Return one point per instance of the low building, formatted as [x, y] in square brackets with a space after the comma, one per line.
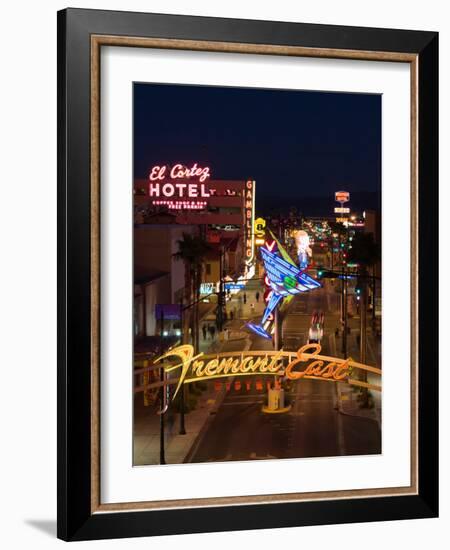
[158, 275]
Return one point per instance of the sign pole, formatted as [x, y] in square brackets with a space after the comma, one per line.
[182, 393]
[344, 310]
[162, 457]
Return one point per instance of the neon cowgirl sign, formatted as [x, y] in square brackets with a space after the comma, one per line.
[186, 194]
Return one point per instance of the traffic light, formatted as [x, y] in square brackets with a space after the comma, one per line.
[319, 272]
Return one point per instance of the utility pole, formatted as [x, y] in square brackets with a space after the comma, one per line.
[184, 339]
[220, 304]
[162, 457]
[374, 292]
[277, 329]
[344, 312]
[363, 320]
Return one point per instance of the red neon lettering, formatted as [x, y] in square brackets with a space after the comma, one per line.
[180, 187]
[153, 189]
[204, 191]
[180, 171]
[177, 171]
[168, 190]
[192, 190]
[204, 174]
[157, 173]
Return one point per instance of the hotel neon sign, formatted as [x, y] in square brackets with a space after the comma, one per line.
[165, 189]
[179, 171]
[306, 363]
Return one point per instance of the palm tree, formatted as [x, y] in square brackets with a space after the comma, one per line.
[192, 250]
[365, 252]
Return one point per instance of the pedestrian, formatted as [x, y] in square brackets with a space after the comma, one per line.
[205, 331]
[252, 307]
[231, 315]
[171, 421]
[257, 296]
[245, 298]
[212, 331]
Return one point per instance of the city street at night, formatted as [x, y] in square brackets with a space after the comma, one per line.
[257, 304]
[239, 430]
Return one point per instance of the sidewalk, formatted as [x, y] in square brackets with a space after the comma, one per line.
[347, 396]
[251, 309]
[177, 447]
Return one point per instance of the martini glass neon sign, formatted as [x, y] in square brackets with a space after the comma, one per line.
[284, 279]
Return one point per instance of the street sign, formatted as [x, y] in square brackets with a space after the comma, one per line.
[234, 286]
[168, 311]
[341, 210]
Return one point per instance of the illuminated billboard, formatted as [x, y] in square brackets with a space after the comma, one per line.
[342, 196]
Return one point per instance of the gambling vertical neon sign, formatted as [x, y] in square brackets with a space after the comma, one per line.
[249, 214]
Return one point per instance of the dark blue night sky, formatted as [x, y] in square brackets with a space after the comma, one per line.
[295, 144]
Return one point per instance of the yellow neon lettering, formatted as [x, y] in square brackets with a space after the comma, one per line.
[307, 362]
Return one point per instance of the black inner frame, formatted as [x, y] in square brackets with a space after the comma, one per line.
[75, 521]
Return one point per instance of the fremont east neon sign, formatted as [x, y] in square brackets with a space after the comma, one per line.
[306, 363]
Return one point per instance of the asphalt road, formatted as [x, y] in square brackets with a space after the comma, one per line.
[313, 428]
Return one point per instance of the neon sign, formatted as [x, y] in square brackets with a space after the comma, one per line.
[341, 210]
[249, 215]
[303, 249]
[165, 189]
[182, 205]
[190, 190]
[283, 278]
[260, 224]
[179, 171]
[306, 363]
[342, 196]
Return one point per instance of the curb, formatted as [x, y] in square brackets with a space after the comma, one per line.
[340, 409]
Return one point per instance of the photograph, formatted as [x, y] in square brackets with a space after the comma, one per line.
[247, 274]
[257, 274]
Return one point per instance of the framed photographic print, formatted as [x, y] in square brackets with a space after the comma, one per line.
[247, 274]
